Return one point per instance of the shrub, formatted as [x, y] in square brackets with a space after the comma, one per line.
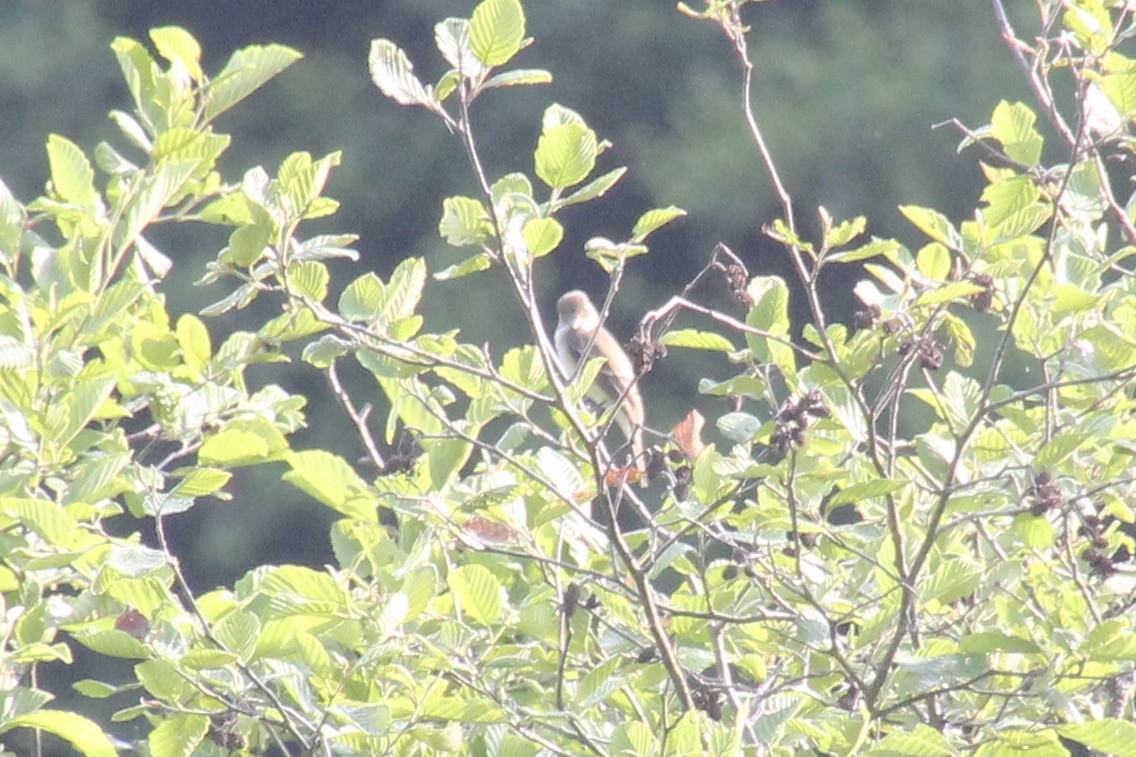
[905, 544]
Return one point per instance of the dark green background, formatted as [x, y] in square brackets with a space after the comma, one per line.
[847, 93]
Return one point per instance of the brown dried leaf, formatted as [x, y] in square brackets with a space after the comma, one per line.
[688, 435]
[491, 531]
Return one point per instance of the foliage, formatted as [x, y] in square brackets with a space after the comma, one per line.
[840, 576]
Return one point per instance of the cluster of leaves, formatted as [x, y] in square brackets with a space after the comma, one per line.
[843, 574]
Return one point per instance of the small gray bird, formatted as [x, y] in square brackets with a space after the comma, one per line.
[579, 326]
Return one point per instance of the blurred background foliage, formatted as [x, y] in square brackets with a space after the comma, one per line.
[847, 93]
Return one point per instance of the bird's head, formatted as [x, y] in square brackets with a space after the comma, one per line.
[576, 310]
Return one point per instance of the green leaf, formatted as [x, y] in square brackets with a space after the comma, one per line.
[739, 427]
[193, 338]
[1107, 735]
[478, 591]
[49, 520]
[987, 642]
[452, 38]
[1009, 196]
[633, 739]
[163, 681]
[72, 177]
[363, 298]
[232, 447]
[309, 279]
[1035, 531]
[329, 479]
[239, 632]
[404, 290]
[961, 396]
[866, 490]
[934, 262]
[600, 682]
[11, 223]
[597, 187]
[653, 219]
[517, 78]
[475, 264]
[922, 741]
[565, 154]
[393, 73]
[1013, 126]
[933, 224]
[77, 730]
[697, 340]
[180, 48]
[1057, 449]
[246, 245]
[542, 235]
[200, 482]
[178, 735]
[465, 222]
[610, 255]
[246, 71]
[961, 338]
[1068, 298]
[135, 561]
[952, 292]
[496, 31]
[845, 232]
[96, 689]
[139, 71]
[770, 313]
[873, 249]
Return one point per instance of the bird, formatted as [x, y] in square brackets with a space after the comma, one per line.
[578, 327]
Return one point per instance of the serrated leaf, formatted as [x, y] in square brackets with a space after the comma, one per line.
[961, 338]
[329, 479]
[465, 222]
[697, 340]
[597, 187]
[363, 298]
[479, 262]
[239, 632]
[542, 235]
[934, 224]
[246, 245]
[565, 155]
[995, 641]
[179, 47]
[922, 741]
[517, 78]
[478, 591]
[654, 219]
[231, 447]
[1107, 735]
[201, 482]
[162, 680]
[309, 279]
[81, 733]
[496, 31]
[866, 490]
[873, 249]
[934, 261]
[452, 38]
[72, 177]
[952, 292]
[1013, 126]
[178, 735]
[393, 73]
[1035, 531]
[845, 232]
[246, 71]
